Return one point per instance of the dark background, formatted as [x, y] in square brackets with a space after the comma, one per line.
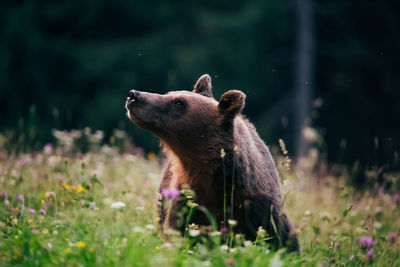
[69, 64]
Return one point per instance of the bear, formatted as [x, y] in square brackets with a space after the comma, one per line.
[214, 150]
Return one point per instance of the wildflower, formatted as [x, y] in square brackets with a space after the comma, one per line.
[3, 195]
[247, 243]
[21, 162]
[222, 153]
[35, 232]
[19, 197]
[261, 232]
[42, 211]
[117, 205]
[235, 149]
[151, 156]
[351, 258]
[224, 230]
[224, 247]
[80, 244]
[49, 245]
[395, 198]
[366, 241]
[318, 240]
[82, 204]
[32, 211]
[80, 189]
[48, 148]
[393, 236]
[91, 250]
[106, 235]
[370, 254]
[19, 212]
[332, 259]
[337, 245]
[30, 221]
[172, 193]
[158, 219]
[156, 247]
[42, 201]
[150, 226]
[232, 222]
[45, 231]
[50, 194]
[267, 251]
[194, 232]
[6, 202]
[92, 205]
[66, 187]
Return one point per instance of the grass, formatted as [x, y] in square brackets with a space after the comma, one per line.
[86, 224]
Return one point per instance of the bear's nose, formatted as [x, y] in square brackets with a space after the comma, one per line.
[133, 95]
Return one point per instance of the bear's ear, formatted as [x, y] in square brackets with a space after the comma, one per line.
[231, 103]
[203, 86]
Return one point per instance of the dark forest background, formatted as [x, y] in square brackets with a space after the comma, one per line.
[331, 65]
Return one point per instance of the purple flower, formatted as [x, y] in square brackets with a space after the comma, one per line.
[337, 245]
[50, 194]
[82, 204]
[366, 241]
[32, 211]
[35, 231]
[92, 205]
[393, 236]
[48, 148]
[21, 162]
[395, 198]
[19, 197]
[3, 195]
[170, 193]
[224, 230]
[351, 258]
[138, 151]
[370, 254]
[19, 212]
[106, 235]
[318, 240]
[42, 211]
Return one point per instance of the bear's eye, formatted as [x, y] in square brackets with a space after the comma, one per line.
[179, 104]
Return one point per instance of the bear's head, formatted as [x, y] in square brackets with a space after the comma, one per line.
[190, 123]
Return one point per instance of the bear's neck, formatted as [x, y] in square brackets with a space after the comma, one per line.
[191, 174]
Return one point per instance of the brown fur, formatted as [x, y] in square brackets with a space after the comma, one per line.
[193, 128]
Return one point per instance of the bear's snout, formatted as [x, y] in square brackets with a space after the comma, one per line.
[133, 95]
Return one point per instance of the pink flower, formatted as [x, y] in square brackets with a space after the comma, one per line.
[224, 230]
[366, 241]
[92, 205]
[170, 193]
[82, 204]
[19, 197]
[32, 211]
[3, 195]
[393, 236]
[42, 211]
[106, 235]
[35, 231]
[21, 162]
[395, 198]
[6, 202]
[370, 254]
[318, 240]
[351, 258]
[48, 148]
[337, 245]
[50, 194]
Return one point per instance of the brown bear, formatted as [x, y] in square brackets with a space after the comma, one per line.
[209, 144]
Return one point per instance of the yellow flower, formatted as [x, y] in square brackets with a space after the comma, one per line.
[68, 250]
[151, 156]
[47, 194]
[157, 248]
[222, 153]
[80, 189]
[42, 201]
[157, 219]
[67, 187]
[30, 221]
[148, 204]
[81, 244]
[91, 250]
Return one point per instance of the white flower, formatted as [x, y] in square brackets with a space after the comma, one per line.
[150, 226]
[137, 229]
[247, 243]
[267, 251]
[194, 232]
[117, 205]
[232, 222]
[307, 213]
[224, 247]
[49, 245]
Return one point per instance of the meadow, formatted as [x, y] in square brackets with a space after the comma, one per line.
[60, 206]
